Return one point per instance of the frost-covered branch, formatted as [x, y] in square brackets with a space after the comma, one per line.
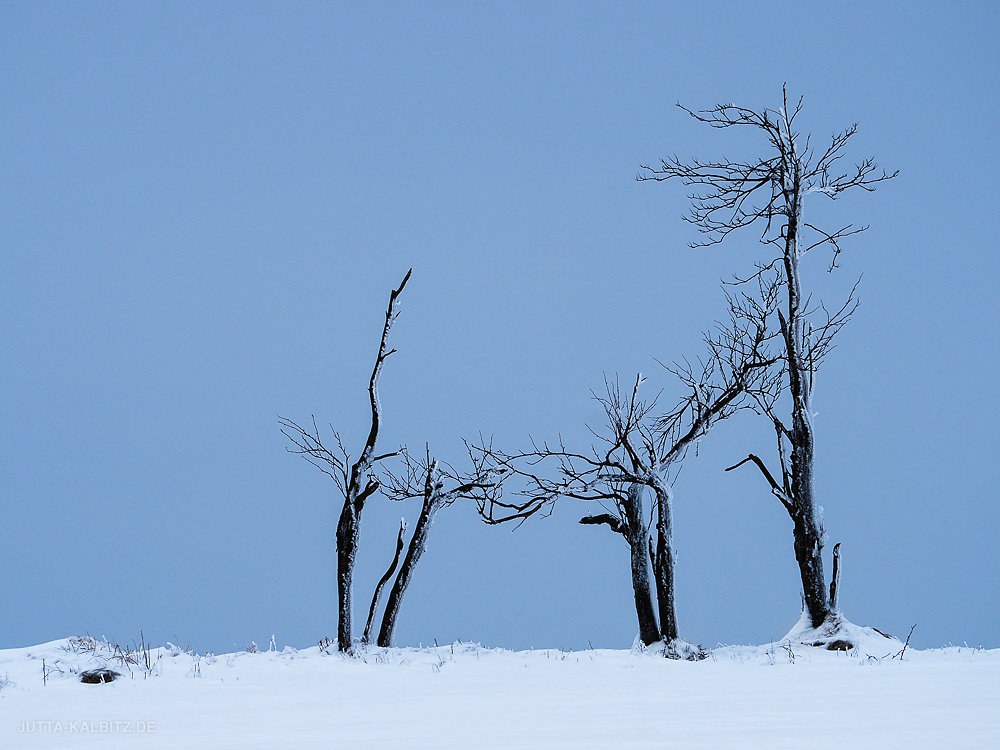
[308, 444]
[739, 372]
[733, 194]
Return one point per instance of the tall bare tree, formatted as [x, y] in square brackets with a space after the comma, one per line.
[769, 193]
[639, 452]
[356, 480]
[438, 485]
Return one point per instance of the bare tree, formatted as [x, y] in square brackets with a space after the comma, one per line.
[437, 484]
[638, 452]
[769, 193]
[356, 481]
[604, 475]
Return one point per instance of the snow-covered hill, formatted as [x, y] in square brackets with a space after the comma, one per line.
[782, 695]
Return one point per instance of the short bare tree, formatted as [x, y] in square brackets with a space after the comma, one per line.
[769, 193]
[604, 475]
[639, 452]
[356, 480]
[437, 484]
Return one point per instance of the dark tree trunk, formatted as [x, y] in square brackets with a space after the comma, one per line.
[377, 594]
[418, 543]
[635, 535]
[663, 567]
[835, 580]
[348, 531]
[808, 538]
[806, 523]
[808, 554]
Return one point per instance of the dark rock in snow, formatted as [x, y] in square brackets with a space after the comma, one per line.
[838, 645]
[98, 676]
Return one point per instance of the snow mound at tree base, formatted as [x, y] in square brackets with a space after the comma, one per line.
[678, 648]
[837, 633]
[681, 649]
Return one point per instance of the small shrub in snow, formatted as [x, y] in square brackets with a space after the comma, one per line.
[81, 644]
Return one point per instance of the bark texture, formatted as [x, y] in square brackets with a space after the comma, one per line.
[663, 564]
[806, 525]
[348, 533]
[635, 535]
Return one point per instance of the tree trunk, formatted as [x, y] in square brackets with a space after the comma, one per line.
[835, 582]
[377, 594]
[418, 543]
[808, 530]
[805, 516]
[663, 568]
[348, 531]
[636, 537]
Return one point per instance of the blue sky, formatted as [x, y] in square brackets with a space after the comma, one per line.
[204, 207]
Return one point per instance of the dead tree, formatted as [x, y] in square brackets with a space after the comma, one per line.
[603, 475]
[639, 452]
[769, 193]
[438, 485]
[356, 481]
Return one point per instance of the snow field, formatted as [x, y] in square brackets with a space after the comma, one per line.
[467, 696]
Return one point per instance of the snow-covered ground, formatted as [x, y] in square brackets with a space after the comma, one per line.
[783, 695]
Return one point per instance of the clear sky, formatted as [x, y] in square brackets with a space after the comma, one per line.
[203, 207]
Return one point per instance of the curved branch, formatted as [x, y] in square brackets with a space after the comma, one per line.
[366, 638]
[365, 460]
[776, 489]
